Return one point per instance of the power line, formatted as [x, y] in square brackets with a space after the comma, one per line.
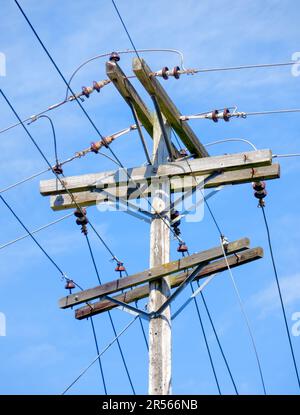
[110, 317]
[126, 30]
[53, 133]
[187, 71]
[192, 71]
[227, 140]
[245, 316]
[35, 240]
[89, 118]
[56, 67]
[120, 52]
[280, 294]
[12, 186]
[218, 341]
[286, 155]
[226, 115]
[35, 231]
[56, 175]
[59, 269]
[216, 335]
[206, 342]
[222, 239]
[77, 155]
[100, 354]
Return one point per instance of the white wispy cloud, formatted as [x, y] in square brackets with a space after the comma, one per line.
[267, 300]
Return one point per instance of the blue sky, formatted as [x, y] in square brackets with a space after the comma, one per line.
[45, 347]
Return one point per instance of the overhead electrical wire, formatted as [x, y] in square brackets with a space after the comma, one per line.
[245, 316]
[56, 175]
[212, 69]
[120, 52]
[99, 359]
[286, 155]
[206, 342]
[227, 140]
[20, 238]
[280, 294]
[90, 120]
[235, 287]
[78, 155]
[94, 333]
[218, 341]
[101, 239]
[216, 336]
[110, 317]
[100, 354]
[53, 133]
[227, 115]
[44, 157]
[64, 276]
[200, 320]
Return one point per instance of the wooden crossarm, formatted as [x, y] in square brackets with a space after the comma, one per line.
[139, 293]
[168, 108]
[129, 93]
[134, 175]
[230, 177]
[152, 274]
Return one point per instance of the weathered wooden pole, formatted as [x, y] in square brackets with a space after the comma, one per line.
[160, 344]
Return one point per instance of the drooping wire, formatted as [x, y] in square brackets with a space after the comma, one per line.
[120, 52]
[110, 317]
[77, 155]
[53, 133]
[227, 140]
[280, 294]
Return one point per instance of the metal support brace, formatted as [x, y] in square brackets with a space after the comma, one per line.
[199, 289]
[138, 124]
[136, 212]
[181, 287]
[126, 306]
[162, 126]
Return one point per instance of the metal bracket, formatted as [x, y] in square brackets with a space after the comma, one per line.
[199, 289]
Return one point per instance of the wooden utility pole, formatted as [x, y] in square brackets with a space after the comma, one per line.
[160, 336]
[157, 181]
